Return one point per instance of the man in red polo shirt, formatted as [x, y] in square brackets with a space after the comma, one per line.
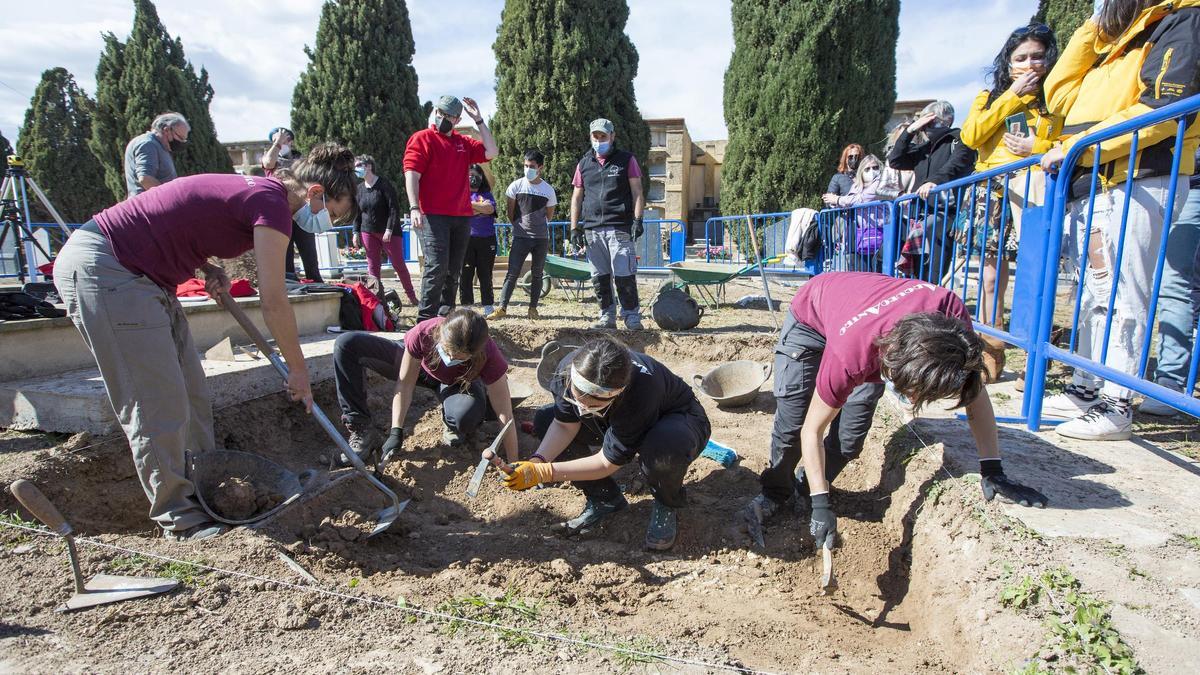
[436, 164]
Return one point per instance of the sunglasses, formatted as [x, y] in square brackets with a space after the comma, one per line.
[1035, 29]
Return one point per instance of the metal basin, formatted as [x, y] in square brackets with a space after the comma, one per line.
[733, 384]
[210, 469]
[553, 352]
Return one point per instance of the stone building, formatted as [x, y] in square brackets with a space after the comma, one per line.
[246, 155]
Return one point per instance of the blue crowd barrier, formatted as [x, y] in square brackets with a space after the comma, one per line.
[728, 240]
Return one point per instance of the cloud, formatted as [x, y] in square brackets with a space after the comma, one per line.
[254, 51]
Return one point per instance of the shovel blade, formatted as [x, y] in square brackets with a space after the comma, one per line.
[828, 580]
[106, 588]
[387, 517]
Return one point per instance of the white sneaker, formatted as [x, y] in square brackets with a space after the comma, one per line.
[1099, 423]
[1066, 405]
[1157, 408]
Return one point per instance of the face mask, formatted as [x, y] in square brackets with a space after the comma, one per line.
[285, 150]
[361, 172]
[444, 125]
[852, 163]
[601, 147]
[177, 145]
[475, 183]
[585, 411]
[315, 223]
[446, 359]
[530, 173]
[870, 175]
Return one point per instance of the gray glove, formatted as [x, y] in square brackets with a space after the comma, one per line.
[823, 525]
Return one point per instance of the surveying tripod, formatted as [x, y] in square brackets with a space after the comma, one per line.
[15, 217]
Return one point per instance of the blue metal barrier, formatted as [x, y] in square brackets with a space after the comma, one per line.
[1083, 212]
[859, 238]
[728, 240]
[662, 241]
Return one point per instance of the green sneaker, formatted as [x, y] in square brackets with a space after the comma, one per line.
[664, 525]
[593, 512]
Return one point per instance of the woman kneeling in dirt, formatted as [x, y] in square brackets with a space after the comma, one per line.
[452, 355]
[118, 274]
[844, 332]
[627, 404]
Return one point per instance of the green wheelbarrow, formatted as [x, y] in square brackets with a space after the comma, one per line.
[703, 275]
[567, 273]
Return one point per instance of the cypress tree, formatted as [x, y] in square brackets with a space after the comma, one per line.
[1063, 16]
[53, 143]
[806, 78]
[360, 87]
[6, 148]
[141, 78]
[559, 65]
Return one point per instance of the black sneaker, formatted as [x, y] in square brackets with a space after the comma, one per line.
[664, 525]
[364, 441]
[593, 512]
[196, 532]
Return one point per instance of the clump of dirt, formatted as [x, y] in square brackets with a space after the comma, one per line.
[242, 267]
[240, 499]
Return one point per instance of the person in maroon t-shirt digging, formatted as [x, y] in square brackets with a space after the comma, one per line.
[452, 355]
[845, 332]
[118, 274]
[436, 164]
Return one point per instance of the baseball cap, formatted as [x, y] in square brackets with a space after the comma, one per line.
[450, 105]
[602, 125]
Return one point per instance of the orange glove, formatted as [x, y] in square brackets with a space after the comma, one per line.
[528, 474]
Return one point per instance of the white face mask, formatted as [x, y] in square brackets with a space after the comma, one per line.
[531, 173]
[315, 223]
[870, 175]
[285, 149]
[448, 360]
[585, 411]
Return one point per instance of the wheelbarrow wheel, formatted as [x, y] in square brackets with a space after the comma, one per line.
[527, 282]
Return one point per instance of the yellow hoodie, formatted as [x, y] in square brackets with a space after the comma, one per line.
[1097, 84]
[984, 128]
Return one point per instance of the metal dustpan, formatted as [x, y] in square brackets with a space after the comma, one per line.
[103, 588]
[209, 469]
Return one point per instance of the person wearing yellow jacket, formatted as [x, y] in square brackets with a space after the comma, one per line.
[1017, 74]
[1133, 57]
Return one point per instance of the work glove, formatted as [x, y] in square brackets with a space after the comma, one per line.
[823, 525]
[993, 481]
[577, 237]
[393, 444]
[528, 474]
[637, 228]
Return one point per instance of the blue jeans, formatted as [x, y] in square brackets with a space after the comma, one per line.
[1178, 296]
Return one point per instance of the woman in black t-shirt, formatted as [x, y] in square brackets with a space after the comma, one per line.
[628, 405]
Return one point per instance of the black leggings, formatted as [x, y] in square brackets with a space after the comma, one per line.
[354, 353]
[307, 243]
[480, 261]
[668, 449]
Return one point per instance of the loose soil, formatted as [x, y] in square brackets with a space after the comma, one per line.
[241, 499]
[921, 565]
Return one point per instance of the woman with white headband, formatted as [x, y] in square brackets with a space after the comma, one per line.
[452, 355]
[628, 406]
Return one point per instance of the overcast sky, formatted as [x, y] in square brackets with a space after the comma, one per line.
[253, 50]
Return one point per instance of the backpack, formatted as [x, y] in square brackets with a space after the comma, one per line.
[350, 311]
[673, 309]
[810, 243]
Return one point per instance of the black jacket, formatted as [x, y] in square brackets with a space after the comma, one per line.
[378, 207]
[940, 160]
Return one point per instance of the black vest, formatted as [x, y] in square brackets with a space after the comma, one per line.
[607, 197]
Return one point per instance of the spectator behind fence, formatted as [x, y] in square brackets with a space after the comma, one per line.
[437, 162]
[606, 217]
[895, 182]
[281, 155]
[862, 248]
[1178, 300]
[932, 150]
[1133, 57]
[842, 181]
[148, 161]
[1007, 123]
[379, 218]
[531, 203]
[481, 250]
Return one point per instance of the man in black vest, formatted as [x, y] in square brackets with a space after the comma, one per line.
[608, 194]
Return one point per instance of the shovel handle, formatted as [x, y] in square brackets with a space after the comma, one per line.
[244, 321]
[32, 499]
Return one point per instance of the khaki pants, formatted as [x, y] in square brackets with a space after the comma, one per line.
[139, 335]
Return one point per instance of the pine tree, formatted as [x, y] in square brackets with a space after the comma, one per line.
[1063, 16]
[360, 87]
[53, 143]
[559, 65]
[138, 80]
[806, 78]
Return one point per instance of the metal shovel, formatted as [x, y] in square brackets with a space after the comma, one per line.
[389, 514]
[103, 588]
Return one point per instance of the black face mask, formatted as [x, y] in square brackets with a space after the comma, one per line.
[177, 145]
[475, 183]
[445, 125]
[852, 163]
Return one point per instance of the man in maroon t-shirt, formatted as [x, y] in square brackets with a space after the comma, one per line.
[844, 333]
[436, 164]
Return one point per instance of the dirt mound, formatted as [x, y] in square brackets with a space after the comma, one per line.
[241, 499]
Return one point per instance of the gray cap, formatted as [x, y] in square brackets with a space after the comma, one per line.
[450, 105]
[602, 125]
